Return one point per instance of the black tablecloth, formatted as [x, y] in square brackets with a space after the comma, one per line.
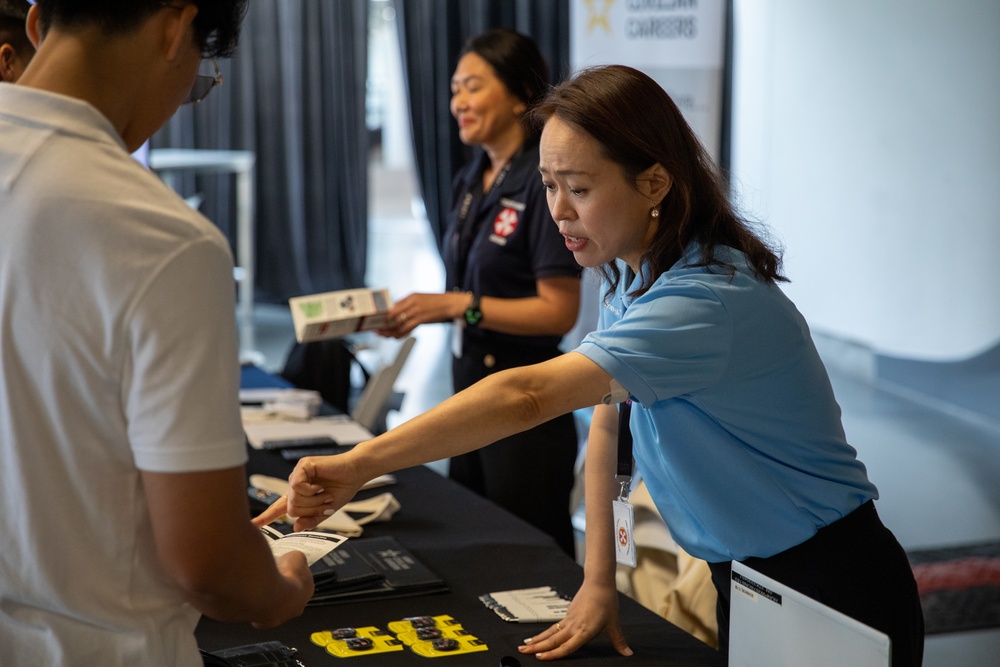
[476, 547]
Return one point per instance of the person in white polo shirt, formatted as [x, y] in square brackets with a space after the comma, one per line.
[119, 412]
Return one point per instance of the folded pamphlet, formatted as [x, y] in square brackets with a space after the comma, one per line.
[528, 605]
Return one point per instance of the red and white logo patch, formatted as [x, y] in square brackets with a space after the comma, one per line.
[506, 222]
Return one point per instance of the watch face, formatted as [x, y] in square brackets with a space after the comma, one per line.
[473, 316]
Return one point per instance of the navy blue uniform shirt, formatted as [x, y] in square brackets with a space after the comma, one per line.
[500, 243]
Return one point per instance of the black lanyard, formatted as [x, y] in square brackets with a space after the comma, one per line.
[465, 230]
[625, 462]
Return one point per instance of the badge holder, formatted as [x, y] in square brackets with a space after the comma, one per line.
[623, 512]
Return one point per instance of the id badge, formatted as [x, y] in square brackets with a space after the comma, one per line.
[624, 522]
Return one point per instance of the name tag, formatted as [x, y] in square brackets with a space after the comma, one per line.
[624, 522]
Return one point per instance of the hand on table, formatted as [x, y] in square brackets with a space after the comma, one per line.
[594, 609]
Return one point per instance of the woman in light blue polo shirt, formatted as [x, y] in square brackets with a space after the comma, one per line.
[736, 429]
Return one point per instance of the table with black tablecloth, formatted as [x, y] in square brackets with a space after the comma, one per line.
[477, 548]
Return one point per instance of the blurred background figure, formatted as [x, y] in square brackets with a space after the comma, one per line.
[513, 288]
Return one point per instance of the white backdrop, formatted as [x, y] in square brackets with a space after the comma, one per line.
[867, 134]
[679, 43]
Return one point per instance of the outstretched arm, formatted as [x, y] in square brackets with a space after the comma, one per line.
[498, 406]
[494, 408]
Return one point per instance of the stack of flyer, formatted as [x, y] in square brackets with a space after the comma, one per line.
[337, 314]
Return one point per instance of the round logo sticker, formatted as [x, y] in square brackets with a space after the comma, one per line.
[505, 222]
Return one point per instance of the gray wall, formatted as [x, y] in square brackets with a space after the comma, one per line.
[867, 135]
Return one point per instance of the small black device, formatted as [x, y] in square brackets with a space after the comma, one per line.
[360, 644]
[445, 644]
[296, 453]
[344, 633]
[290, 443]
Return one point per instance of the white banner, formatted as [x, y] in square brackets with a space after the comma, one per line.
[679, 43]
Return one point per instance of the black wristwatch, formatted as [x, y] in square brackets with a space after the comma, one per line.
[473, 315]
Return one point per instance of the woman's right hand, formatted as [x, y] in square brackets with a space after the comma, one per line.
[318, 487]
[411, 311]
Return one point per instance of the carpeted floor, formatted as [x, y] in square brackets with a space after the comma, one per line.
[959, 587]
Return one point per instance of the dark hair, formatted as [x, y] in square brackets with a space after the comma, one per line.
[637, 125]
[217, 25]
[13, 14]
[516, 60]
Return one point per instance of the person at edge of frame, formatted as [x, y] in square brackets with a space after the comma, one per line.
[512, 287]
[122, 452]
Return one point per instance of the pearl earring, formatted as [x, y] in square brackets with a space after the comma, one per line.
[655, 212]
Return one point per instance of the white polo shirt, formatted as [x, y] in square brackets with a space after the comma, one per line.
[118, 354]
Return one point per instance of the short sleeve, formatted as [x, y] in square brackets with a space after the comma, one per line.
[181, 381]
[669, 342]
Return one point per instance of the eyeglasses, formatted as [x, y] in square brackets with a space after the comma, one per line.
[203, 85]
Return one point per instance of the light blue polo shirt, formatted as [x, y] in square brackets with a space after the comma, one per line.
[737, 431]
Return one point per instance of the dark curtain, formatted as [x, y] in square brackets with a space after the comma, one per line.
[726, 132]
[432, 33]
[294, 94]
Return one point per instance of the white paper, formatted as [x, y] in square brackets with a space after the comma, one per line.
[273, 394]
[342, 429]
[528, 605]
[313, 544]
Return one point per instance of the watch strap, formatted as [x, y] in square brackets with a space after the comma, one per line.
[473, 314]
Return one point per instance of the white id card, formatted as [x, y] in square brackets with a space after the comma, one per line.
[624, 521]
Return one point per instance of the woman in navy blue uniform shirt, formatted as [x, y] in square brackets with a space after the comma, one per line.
[513, 288]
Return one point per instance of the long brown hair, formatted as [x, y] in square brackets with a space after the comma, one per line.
[637, 125]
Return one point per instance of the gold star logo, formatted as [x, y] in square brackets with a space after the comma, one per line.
[598, 17]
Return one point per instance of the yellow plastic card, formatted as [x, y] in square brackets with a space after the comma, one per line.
[351, 642]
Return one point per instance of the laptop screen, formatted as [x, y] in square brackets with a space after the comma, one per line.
[772, 624]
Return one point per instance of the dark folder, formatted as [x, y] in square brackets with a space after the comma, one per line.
[369, 568]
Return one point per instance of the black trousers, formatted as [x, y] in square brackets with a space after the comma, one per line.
[530, 474]
[854, 565]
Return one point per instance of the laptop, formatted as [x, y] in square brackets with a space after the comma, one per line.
[771, 624]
